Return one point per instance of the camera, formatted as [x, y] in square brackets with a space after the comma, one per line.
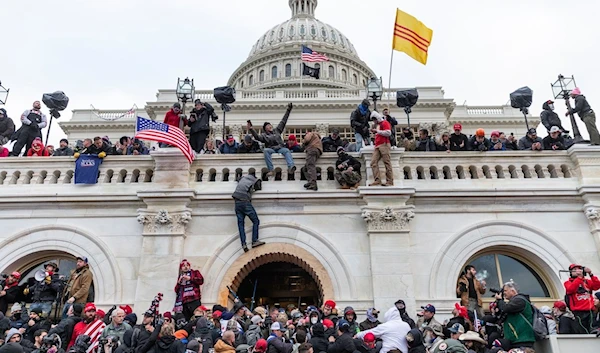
[82, 343]
[106, 344]
[496, 291]
[49, 341]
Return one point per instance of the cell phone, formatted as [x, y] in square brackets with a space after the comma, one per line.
[512, 134]
[249, 122]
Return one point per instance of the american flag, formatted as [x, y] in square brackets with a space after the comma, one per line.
[151, 130]
[311, 56]
[94, 331]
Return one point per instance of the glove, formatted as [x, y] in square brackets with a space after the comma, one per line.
[76, 155]
[101, 154]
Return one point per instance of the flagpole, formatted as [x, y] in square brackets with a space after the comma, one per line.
[390, 79]
[301, 71]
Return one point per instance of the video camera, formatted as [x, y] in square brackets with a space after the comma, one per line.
[82, 343]
[107, 344]
[497, 291]
[50, 341]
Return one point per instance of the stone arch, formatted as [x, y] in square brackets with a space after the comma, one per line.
[285, 239]
[274, 252]
[38, 242]
[548, 255]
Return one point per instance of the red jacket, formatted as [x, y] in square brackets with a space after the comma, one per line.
[581, 301]
[172, 118]
[380, 139]
[191, 289]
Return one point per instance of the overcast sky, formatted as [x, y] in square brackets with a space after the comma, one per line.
[113, 53]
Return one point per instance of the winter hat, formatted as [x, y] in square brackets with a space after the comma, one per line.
[480, 132]
[256, 319]
[184, 262]
[292, 137]
[11, 347]
[330, 303]
[16, 307]
[560, 305]
[366, 103]
[180, 334]
[576, 91]
[131, 318]
[3, 111]
[532, 131]
[193, 346]
[495, 133]
[343, 325]
[11, 333]
[37, 310]
[265, 125]
[168, 315]
[260, 346]
[248, 138]
[369, 337]
[100, 314]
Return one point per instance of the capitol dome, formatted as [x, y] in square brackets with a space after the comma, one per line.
[274, 61]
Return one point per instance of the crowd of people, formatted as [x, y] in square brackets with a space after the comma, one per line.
[510, 325]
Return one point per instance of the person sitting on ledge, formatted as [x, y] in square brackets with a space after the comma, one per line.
[274, 143]
[249, 145]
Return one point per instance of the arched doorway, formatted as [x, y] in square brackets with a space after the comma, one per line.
[279, 284]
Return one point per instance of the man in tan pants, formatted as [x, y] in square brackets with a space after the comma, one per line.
[383, 147]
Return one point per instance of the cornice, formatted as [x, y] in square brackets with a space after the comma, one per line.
[67, 126]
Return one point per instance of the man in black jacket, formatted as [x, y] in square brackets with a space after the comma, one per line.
[7, 127]
[276, 342]
[359, 120]
[586, 114]
[199, 124]
[64, 329]
[344, 343]
[35, 323]
[458, 140]
[550, 118]
[347, 170]
[333, 141]
[425, 142]
[10, 292]
[554, 141]
[45, 291]
[249, 145]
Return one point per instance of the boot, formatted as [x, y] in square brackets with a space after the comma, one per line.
[245, 247]
[312, 187]
[306, 185]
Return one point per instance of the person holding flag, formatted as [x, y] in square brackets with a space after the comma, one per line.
[90, 326]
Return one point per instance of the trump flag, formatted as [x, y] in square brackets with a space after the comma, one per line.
[86, 169]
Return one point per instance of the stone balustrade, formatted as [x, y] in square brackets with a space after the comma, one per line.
[419, 169]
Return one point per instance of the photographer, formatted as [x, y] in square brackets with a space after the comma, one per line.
[46, 290]
[33, 121]
[9, 290]
[48, 344]
[579, 294]
[518, 314]
[359, 120]
[199, 124]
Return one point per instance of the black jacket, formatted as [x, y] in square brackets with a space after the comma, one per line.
[64, 329]
[203, 117]
[362, 347]
[278, 345]
[359, 122]
[582, 107]
[548, 142]
[254, 148]
[416, 345]
[30, 330]
[331, 145]
[567, 324]
[318, 339]
[549, 117]
[166, 344]
[342, 344]
[10, 297]
[525, 143]
[427, 145]
[457, 140]
[46, 292]
[474, 145]
[273, 140]
[61, 152]
[348, 161]
[7, 127]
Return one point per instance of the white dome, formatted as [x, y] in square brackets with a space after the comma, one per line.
[274, 60]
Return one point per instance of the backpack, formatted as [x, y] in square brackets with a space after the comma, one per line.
[539, 326]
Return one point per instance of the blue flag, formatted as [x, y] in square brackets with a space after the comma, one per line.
[86, 169]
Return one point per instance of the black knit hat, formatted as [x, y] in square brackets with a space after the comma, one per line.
[265, 125]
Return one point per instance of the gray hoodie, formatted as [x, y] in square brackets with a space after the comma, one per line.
[12, 332]
[246, 186]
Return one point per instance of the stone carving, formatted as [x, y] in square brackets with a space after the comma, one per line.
[426, 126]
[162, 222]
[388, 219]
[441, 128]
[236, 131]
[593, 215]
[323, 129]
[217, 131]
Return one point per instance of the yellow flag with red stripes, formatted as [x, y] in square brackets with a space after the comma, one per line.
[411, 36]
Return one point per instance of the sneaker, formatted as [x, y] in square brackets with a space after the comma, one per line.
[292, 169]
[306, 185]
[257, 244]
[312, 187]
[245, 247]
[376, 183]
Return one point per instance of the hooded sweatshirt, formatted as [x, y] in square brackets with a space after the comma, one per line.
[318, 339]
[392, 332]
[416, 345]
[353, 324]
[12, 332]
[11, 347]
[549, 117]
[203, 334]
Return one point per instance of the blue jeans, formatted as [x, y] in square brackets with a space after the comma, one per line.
[359, 141]
[243, 209]
[46, 308]
[66, 310]
[284, 151]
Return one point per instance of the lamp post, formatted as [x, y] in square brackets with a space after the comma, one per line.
[185, 92]
[374, 90]
[561, 89]
[3, 94]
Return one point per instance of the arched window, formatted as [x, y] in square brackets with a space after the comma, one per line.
[251, 80]
[274, 72]
[331, 71]
[497, 269]
[261, 76]
[241, 84]
[288, 70]
[344, 75]
[302, 30]
[355, 79]
[65, 264]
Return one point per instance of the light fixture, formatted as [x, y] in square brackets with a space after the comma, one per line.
[561, 89]
[3, 94]
[185, 90]
[375, 90]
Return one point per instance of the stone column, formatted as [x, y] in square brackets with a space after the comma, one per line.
[388, 217]
[163, 222]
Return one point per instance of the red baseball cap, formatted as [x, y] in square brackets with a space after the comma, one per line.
[216, 314]
[16, 275]
[457, 126]
[328, 323]
[89, 307]
[369, 337]
[560, 305]
[330, 303]
[574, 266]
[202, 308]
[260, 346]
[126, 308]
[100, 314]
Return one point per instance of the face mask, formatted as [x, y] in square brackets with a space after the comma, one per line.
[314, 320]
[551, 106]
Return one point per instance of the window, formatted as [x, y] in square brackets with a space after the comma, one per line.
[497, 269]
[241, 84]
[344, 75]
[302, 30]
[313, 30]
[333, 36]
[331, 71]
[288, 70]
[323, 32]
[355, 79]
[251, 80]
[274, 72]
[291, 31]
[261, 76]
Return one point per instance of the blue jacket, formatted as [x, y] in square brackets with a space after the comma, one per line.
[226, 149]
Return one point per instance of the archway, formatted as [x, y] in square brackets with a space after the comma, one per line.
[275, 253]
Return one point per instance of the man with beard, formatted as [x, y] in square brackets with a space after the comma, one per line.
[9, 293]
[45, 291]
[90, 326]
[78, 287]
[142, 332]
[65, 327]
[33, 121]
[188, 290]
[34, 324]
[328, 311]
[401, 306]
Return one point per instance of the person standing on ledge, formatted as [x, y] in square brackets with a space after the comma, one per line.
[187, 289]
[382, 131]
[313, 148]
[586, 114]
[243, 207]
